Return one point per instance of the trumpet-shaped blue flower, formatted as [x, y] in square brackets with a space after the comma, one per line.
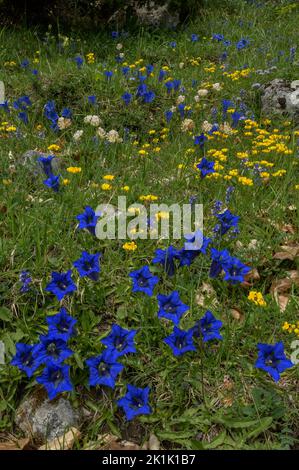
[61, 284]
[88, 265]
[219, 259]
[62, 325]
[104, 369]
[143, 280]
[272, 359]
[26, 358]
[227, 220]
[53, 349]
[120, 341]
[135, 402]
[52, 182]
[56, 379]
[235, 271]
[171, 307]
[88, 220]
[207, 327]
[180, 341]
[46, 164]
[206, 167]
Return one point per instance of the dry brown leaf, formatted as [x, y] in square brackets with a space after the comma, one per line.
[280, 289]
[206, 292]
[19, 444]
[237, 314]
[153, 442]
[287, 252]
[253, 275]
[65, 442]
[111, 442]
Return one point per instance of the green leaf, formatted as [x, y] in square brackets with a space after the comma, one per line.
[5, 314]
[218, 441]
[264, 424]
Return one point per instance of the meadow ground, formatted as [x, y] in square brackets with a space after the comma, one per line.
[156, 89]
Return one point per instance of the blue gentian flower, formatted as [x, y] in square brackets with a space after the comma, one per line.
[92, 99]
[181, 109]
[162, 75]
[149, 69]
[26, 358]
[242, 44]
[108, 74]
[114, 34]
[143, 280]
[104, 369]
[79, 61]
[200, 140]
[88, 220]
[206, 167]
[25, 279]
[135, 402]
[235, 271]
[24, 64]
[219, 259]
[208, 327]
[120, 341]
[272, 359]
[236, 117]
[56, 379]
[218, 37]
[61, 284]
[46, 164]
[22, 103]
[194, 37]
[227, 104]
[166, 258]
[88, 265]
[171, 307]
[62, 325]
[180, 341]
[66, 113]
[24, 117]
[176, 85]
[53, 182]
[172, 44]
[125, 70]
[148, 97]
[168, 116]
[51, 114]
[53, 349]
[227, 220]
[127, 97]
[34, 72]
[200, 245]
[169, 85]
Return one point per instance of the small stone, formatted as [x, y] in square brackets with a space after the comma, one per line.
[46, 420]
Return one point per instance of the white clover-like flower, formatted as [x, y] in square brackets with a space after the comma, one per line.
[119, 46]
[101, 133]
[113, 136]
[77, 136]
[197, 98]
[93, 120]
[180, 99]
[187, 125]
[181, 65]
[63, 123]
[217, 86]
[202, 92]
[206, 126]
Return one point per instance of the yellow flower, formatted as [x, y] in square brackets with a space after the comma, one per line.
[54, 148]
[142, 152]
[125, 188]
[245, 181]
[130, 246]
[109, 177]
[6, 182]
[65, 181]
[257, 298]
[148, 197]
[106, 187]
[73, 169]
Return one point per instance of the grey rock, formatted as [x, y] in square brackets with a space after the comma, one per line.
[46, 420]
[29, 160]
[278, 97]
[295, 85]
[156, 15]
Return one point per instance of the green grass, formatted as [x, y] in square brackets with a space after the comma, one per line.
[193, 405]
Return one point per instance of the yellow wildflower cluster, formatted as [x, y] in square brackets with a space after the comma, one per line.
[237, 74]
[148, 197]
[90, 57]
[54, 148]
[257, 298]
[130, 246]
[74, 169]
[291, 327]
